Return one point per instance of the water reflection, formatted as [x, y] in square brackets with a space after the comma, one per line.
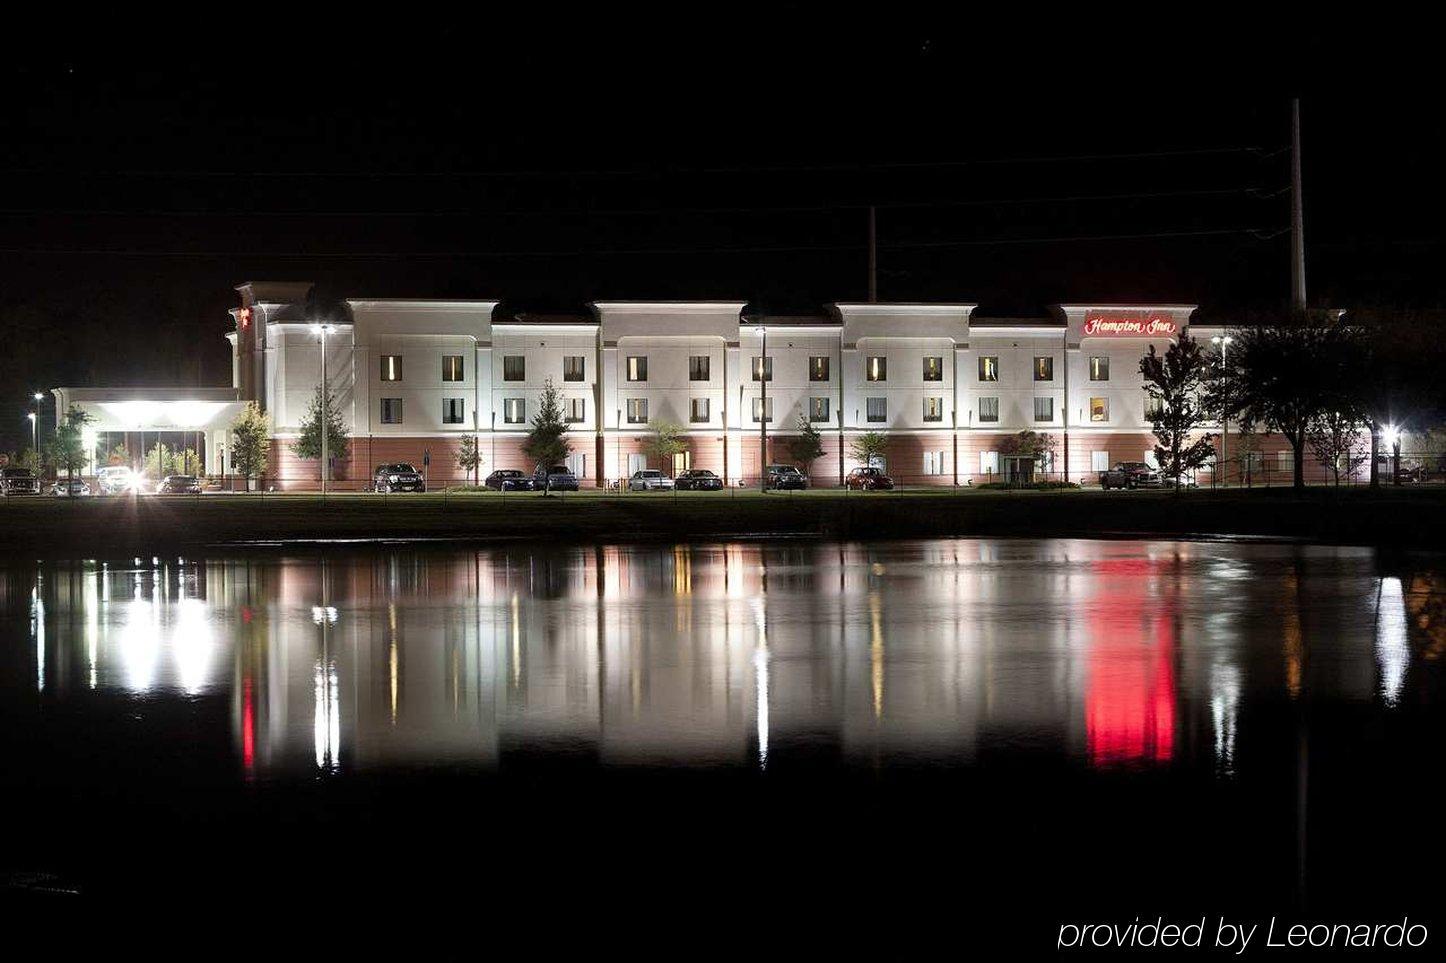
[1110, 653]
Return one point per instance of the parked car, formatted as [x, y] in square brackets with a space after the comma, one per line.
[1130, 474]
[69, 487]
[558, 478]
[179, 485]
[114, 479]
[868, 480]
[508, 480]
[786, 477]
[18, 481]
[397, 477]
[649, 480]
[698, 480]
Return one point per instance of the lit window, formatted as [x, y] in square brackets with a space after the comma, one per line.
[391, 411]
[391, 367]
[1099, 409]
[876, 368]
[574, 367]
[1044, 409]
[762, 410]
[451, 367]
[1099, 461]
[454, 411]
[933, 369]
[637, 411]
[1044, 368]
[989, 463]
[933, 409]
[514, 368]
[638, 367]
[935, 463]
[988, 409]
[876, 409]
[818, 409]
[698, 409]
[514, 410]
[1099, 368]
[818, 368]
[988, 368]
[700, 369]
[576, 410]
[762, 369]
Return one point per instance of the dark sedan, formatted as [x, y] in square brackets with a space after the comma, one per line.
[786, 477]
[869, 479]
[179, 485]
[509, 480]
[398, 477]
[698, 480]
[558, 478]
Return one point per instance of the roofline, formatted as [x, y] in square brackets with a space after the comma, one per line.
[421, 303]
[668, 305]
[1128, 307]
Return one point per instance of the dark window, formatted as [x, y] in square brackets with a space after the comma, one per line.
[573, 367]
[698, 409]
[454, 411]
[391, 367]
[1099, 369]
[638, 367]
[699, 368]
[514, 368]
[762, 409]
[989, 368]
[933, 369]
[988, 409]
[1044, 368]
[1044, 409]
[818, 408]
[514, 410]
[818, 368]
[933, 409]
[762, 369]
[576, 410]
[452, 367]
[876, 368]
[391, 411]
[876, 409]
[637, 411]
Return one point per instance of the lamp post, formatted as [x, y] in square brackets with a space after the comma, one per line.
[763, 411]
[324, 414]
[34, 445]
[1223, 342]
[37, 397]
[1392, 436]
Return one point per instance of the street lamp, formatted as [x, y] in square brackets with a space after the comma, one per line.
[763, 411]
[324, 414]
[1392, 436]
[34, 445]
[1223, 343]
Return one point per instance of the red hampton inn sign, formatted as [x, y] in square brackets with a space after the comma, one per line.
[1130, 324]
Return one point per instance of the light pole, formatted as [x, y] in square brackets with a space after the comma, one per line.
[34, 445]
[34, 422]
[324, 413]
[1223, 342]
[1392, 436]
[763, 411]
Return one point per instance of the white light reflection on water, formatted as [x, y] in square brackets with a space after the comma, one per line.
[1392, 650]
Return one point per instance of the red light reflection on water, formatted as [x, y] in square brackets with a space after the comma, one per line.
[1130, 694]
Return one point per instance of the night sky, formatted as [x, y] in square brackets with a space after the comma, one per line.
[553, 159]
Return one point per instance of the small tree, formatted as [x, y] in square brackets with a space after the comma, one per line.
[1036, 444]
[469, 456]
[868, 446]
[806, 447]
[188, 462]
[667, 439]
[1173, 382]
[308, 443]
[250, 443]
[119, 455]
[67, 447]
[1335, 440]
[546, 443]
[160, 461]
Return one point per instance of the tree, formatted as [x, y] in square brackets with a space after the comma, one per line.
[67, 447]
[1335, 439]
[308, 443]
[469, 456]
[119, 455]
[1038, 445]
[667, 440]
[806, 447]
[1174, 382]
[546, 443]
[160, 461]
[250, 443]
[868, 446]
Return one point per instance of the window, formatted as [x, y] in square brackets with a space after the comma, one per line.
[1154, 407]
[989, 463]
[698, 409]
[1099, 461]
[762, 409]
[699, 366]
[637, 411]
[1044, 409]
[818, 409]
[391, 411]
[988, 409]
[1285, 461]
[762, 369]
[574, 367]
[576, 410]
[1099, 368]
[1099, 409]
[877, 409]
[514, 368]
[818, 368]
[451, 367]
[1150, 460]
[876, 368]
[934, 463]
[637, 461]
[638, 367]
[933, 409]
[391, 367]
[989, 368]
[577, 464]
[514, 410]
[933, 369]
[454, 411]
[1044, 368]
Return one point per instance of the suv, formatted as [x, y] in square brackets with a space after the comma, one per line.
[114, 479]
[698, 480]
[869, 480]
[786, 476]
[1130, 474]
[397, 477]
[18, 481]
[67, 487]
[179, 485]
[558, 478]
[508, 480]
[649, 480]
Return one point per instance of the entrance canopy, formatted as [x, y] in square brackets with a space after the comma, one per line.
[152, 409]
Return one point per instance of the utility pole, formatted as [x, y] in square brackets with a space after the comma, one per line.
[873, 255]
[763, 412]
[321, 331]
[1297, 216]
